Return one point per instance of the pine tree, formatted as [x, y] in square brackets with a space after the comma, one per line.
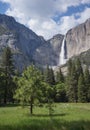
[50, 80]
[89, 94]
[87, 83]
[68, 79]
[2, 86]
[59, 76]
[79, 68]
[49, 76]
[72, 84]
[52, 77]
[8, 68]
[69, 67]
[81, 89]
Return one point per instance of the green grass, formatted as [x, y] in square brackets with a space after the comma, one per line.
[67, 116]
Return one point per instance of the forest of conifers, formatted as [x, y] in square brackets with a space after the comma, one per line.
[35, 86]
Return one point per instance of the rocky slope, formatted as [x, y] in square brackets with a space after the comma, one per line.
[22, 41]
[48, 54]
[78, 39]
[27, 47]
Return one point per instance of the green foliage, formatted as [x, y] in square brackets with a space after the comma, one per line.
[7, 61]
[49, 80]
[7, 70]
[72, 82]
[69, 66]
[88, 94]
[29, 86]
[49, 76]
[79, 67]
[78, 82]
[59, 76]
[87, 84]
[81, 89]
[47, 91]
[2, 85]
[50, 107]
[33, 89]
[60, 92]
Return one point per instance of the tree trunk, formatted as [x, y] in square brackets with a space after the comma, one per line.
[31, 105]
[6, 87]
[5, 96]
[5, 93]
[31, 108]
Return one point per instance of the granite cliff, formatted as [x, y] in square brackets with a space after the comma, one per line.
[78, 39]
[27, 47]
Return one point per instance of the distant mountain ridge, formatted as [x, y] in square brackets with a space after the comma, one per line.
[27, 47]
[22, 41]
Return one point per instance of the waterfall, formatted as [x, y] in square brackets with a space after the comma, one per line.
[62, 56]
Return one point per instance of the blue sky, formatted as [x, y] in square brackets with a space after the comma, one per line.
[3, 7]
[47, 18]
[72, 10]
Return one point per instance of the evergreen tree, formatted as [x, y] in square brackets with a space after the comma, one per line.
[81, 89]
[68, 78]
[89, 94]
[74, 72]
[50, 80]
[87, 83]
[46, 75]
[49, 76]
[59, 76]
[79, 68]
[2, 86]
[72, 84]
[60, 92]
[69, 68]
[8, 68]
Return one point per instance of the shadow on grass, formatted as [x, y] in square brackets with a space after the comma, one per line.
[48, 124]
[47, 115]
[9, 105]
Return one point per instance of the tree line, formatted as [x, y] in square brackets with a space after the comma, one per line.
[78, 82]
[35, 86]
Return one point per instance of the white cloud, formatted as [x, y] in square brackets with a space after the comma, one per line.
[68, 22]
[86, 1]
[46, 28]
[37, 15]
[83, 15]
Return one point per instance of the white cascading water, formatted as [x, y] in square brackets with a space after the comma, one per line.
[62, 59]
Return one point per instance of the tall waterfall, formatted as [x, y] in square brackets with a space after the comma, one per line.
[62, 56]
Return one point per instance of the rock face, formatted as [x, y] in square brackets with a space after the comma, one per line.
[78, 39]
[22, 41]
[48, 54]
[56, 43]
[26, 46]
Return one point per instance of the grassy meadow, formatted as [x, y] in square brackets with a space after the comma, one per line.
[66, 116]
